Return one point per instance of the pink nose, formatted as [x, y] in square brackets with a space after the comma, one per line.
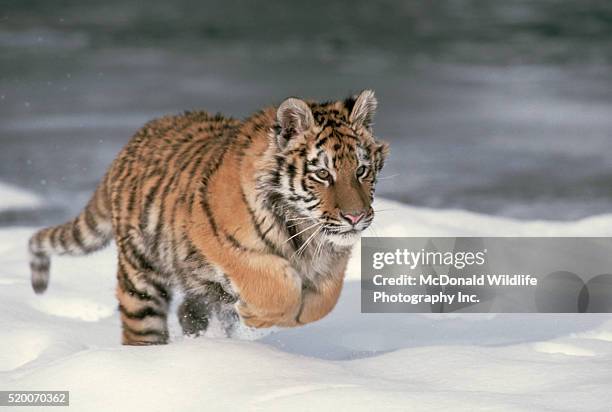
[353, 218]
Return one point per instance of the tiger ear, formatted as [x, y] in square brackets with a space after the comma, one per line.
[381, 153]
[294, 117]
[364, 109]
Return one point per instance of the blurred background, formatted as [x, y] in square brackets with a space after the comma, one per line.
[499, 107]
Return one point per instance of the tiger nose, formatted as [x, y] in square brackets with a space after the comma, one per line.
[353, 217]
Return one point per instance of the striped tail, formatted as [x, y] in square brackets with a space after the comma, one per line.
[91, 230]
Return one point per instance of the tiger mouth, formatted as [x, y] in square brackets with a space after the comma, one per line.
[338, 231]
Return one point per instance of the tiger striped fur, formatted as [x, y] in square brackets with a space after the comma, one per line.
[252, 219]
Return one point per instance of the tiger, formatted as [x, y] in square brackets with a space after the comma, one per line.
[251, 220]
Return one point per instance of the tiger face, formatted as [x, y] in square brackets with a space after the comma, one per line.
[331, 160]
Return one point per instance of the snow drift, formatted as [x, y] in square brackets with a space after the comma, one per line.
[12, 197]
[68, 339]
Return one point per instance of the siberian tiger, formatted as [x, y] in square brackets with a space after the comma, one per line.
[254, 219]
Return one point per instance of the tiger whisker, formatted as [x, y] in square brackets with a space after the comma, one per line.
[373, 229]
[302, 231]
[388, 177]
[303, 247]
[321, 243]
[299, 218]
[308, 241]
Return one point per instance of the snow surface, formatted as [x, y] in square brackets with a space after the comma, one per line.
[68, 339]
[12, 197]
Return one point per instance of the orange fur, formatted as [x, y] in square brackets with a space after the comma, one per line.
[239, 214]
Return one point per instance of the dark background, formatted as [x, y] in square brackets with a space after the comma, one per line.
[501, 107]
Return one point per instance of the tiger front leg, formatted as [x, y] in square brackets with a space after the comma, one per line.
[317, 303]
[270, 294]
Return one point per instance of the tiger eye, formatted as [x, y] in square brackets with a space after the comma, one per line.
[323, 174]
[361, 171]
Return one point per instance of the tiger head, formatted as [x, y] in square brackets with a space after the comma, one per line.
[327, 163]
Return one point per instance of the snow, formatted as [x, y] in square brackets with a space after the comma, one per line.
[12, 197]
[68, 339]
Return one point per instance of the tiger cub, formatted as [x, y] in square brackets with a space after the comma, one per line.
[252, 219]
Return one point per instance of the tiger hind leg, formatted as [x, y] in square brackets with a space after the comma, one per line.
[143, 304]
[194, 315]
[197, 310]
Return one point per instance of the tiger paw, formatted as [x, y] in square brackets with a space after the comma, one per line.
[252, 318]
[257, 318]
[279, 310]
